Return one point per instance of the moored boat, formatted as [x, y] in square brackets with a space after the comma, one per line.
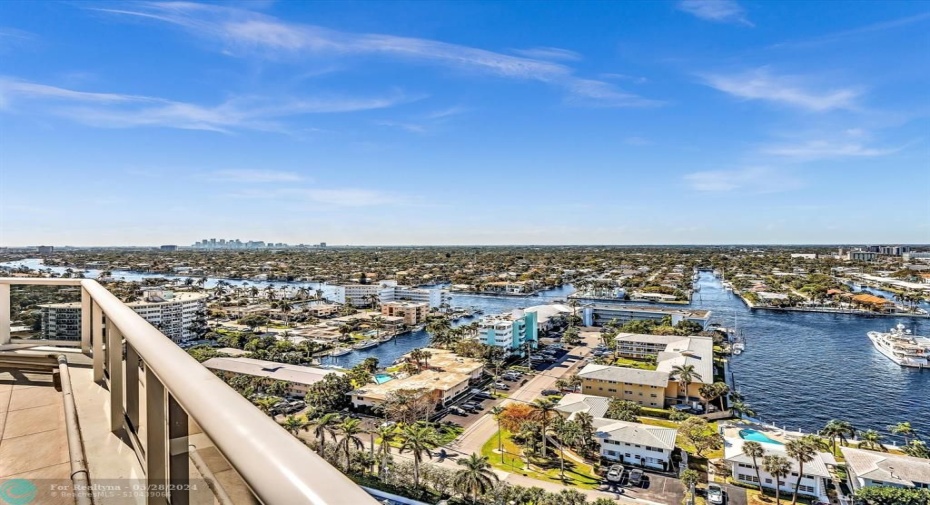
[368, 344]
[900, 346]
[340, 352]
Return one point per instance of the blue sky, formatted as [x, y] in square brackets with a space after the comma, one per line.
[465, 122]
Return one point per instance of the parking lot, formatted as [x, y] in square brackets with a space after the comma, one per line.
[467, 418]
[652, 486]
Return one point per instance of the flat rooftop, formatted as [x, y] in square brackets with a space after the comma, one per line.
[695, 313]
[278, 371]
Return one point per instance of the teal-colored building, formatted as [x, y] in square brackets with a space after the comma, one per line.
[512, 331]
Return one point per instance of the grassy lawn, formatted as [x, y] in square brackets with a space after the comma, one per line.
[576, 474]
[635, 363]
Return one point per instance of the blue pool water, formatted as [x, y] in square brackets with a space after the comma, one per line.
[381, 378]
[757, 436]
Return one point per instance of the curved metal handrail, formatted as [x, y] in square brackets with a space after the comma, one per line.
[277, 467]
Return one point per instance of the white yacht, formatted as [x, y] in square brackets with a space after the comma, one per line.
[342, 351]
[902, 347]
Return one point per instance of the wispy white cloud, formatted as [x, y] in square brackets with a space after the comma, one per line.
[750, 180]
[823, 149]
[548, 53]
[409, 127]
[113, 110]
[762, 84]
[847, 34]
[719, 11]
[242, 31]
[253, 176]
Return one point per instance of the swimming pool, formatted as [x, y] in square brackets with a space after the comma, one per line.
[381, 378]
[757, 436]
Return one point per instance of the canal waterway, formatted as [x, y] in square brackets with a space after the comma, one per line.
[799, 370]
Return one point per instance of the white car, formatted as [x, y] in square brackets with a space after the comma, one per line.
[714, 494]
[615, 472]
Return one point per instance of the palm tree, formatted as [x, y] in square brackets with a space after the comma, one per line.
[803, 451]
[496, 412]
[294, 424]
[350, 429]
[586, 424]
[754, 450]
[916, 448]
[325, 424]
[872, 439]
[837, 429]
[742, 409]
[778, 467]
[388, 436]
[568, 433]
[544, 411]
[475, 478]
[418, 439]
[904, 429]
[685, 375]
[266, 404]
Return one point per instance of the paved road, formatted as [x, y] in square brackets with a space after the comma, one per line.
[473, 438]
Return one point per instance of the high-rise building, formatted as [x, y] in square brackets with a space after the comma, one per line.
[171, 313]
[511, 330]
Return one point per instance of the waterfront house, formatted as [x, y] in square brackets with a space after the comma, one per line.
[813, 484]
[870, 468]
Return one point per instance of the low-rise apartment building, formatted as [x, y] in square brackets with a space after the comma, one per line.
[814, 482]
[635, 444]
[513, 331]
[629, 443]
[599, 314]
[445, 376]
[653, 388]
[299, 378]
[646, 387]
[386, 291]
[412, 312]
[869, 468]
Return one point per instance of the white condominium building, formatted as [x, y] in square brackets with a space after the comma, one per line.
[360, 295]
[172, 313]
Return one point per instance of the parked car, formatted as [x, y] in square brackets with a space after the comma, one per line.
[636, 477]
[501, 385]
[614, 473]
[550, 392]
[714, 494]
[484, 395]
[458, 411]
[471, 407]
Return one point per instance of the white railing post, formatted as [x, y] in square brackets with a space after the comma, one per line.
[5, 316]
[115, 367]
[178, 453]
[132, 387]
[156, 457]
[96, 332]
[85, 320]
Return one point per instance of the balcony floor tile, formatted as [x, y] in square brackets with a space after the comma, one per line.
[25, 397]
[33, 420]
[33, 452]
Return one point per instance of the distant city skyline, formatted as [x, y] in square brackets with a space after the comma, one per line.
[444, 123]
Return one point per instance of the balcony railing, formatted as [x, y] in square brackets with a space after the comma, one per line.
[162, 398]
